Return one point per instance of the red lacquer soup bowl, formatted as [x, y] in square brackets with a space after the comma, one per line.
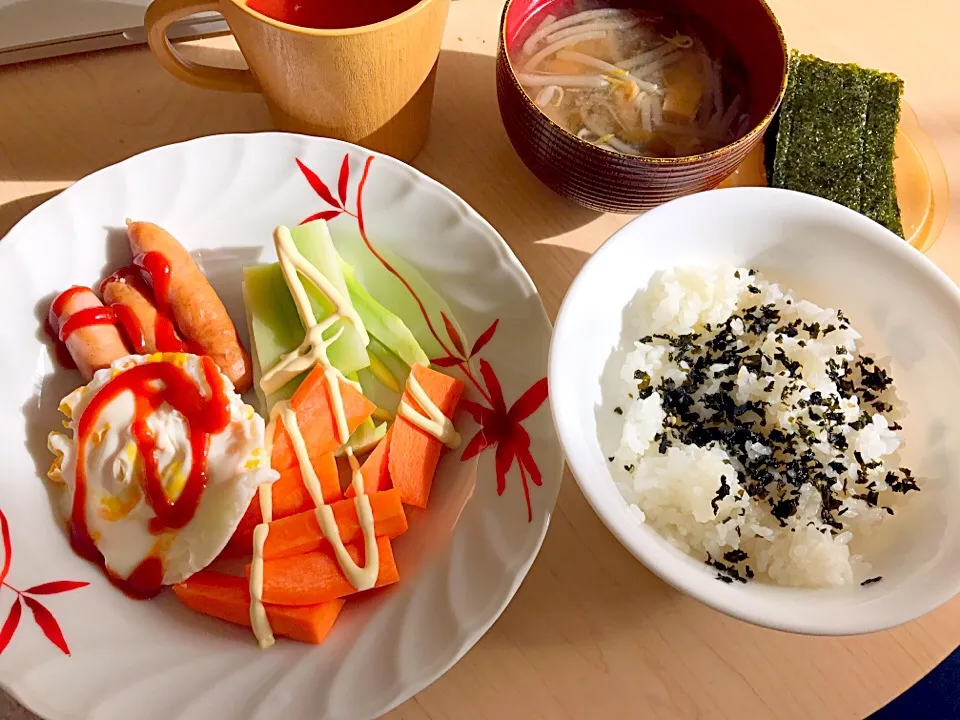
[609, 181]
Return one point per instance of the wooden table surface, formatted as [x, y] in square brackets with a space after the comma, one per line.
[591, 633]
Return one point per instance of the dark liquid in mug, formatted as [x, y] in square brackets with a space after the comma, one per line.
[331, 14]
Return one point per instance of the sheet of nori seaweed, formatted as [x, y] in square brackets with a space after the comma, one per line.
[825, 131]
[777, 140]
[834, 135]
[878, 198]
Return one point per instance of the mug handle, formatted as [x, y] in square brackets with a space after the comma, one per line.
[159, 17]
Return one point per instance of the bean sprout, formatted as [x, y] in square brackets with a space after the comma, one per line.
[679, 40]
[564, 81]
[646, 114]
[620, 146]
[656, 112]
[613, 70]
[646, 57]
[646, 70]
[545, 29]
[607, 75]
[559, 45]
[546, 95]
[589, 27]
[720, 124]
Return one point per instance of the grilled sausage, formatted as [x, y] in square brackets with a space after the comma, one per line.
[181, 290]
[88, 329]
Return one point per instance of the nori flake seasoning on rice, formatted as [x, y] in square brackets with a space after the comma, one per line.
[834, 137]
[762, 443]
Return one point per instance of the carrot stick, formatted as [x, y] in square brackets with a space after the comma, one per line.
[316, 419]
[290, 496]
[413, 454]
[375, 469]
[316, 577]
[228, 597]
[300, 533]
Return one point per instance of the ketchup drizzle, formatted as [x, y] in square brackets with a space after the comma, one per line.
[156, 271]
[58, 333]
[85, 318]
[129, 327]
[140, 275]
[166, 336]
[153, 385]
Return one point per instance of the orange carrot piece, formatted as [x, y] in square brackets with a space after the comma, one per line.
[375, 469]
[290, 496]
[316, 577]
[228, 598]
[327, 473]
[413, 454]
[300, 533]
[316, 419]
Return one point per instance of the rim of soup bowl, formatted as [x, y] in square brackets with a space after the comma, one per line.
[747, 139]
[651, 548]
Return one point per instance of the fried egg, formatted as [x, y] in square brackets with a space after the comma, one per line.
[117, 512]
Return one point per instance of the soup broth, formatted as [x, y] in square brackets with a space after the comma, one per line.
[639, 82]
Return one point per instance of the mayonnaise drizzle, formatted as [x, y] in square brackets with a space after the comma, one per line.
[259, 622]
[258, 614]
[312, 352]
[434, 422]
[362, 578]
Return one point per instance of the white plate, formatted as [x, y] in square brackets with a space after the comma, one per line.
[460, 562]
[907, 311]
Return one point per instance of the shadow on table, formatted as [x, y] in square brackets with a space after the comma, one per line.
[584, 589]
[14, 211]
[144, 107]
[469, 152]
[131, 105]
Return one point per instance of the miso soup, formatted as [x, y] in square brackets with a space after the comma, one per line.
[645, 82]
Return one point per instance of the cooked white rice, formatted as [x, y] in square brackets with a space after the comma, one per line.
[756, 436]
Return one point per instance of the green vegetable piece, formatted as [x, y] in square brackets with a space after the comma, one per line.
[364, 438]
[383, 324]
[275, 326]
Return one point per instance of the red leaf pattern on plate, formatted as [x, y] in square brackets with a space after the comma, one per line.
[54, 588]
[10, 625]
[478, 443]
[48, 623]
[342, 182]
[528, 403]
[493, 386]
[41, 615]
[484, 338]
[453, 334]
[325, 215]
[500, 427]
[7, 550]
[481, 414]
[317, 184]
[504, 460]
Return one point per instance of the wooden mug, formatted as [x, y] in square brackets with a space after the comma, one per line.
[371, 85]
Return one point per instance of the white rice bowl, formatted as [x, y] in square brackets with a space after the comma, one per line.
[778, 489]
